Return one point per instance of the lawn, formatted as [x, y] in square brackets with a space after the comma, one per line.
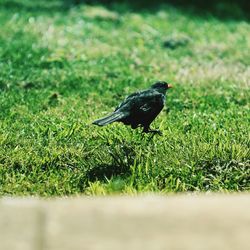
[63, 65]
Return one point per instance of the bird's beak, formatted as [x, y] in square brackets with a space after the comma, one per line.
[170, 86]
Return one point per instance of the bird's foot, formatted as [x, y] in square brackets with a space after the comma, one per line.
[153, 131]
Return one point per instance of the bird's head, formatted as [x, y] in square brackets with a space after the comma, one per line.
[161, 86]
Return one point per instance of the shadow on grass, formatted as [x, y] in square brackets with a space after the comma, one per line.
[224, 10]
[121, 158]
[106, 171]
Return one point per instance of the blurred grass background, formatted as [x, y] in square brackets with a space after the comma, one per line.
[65, 63]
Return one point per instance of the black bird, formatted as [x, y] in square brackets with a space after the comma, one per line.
[139, 108]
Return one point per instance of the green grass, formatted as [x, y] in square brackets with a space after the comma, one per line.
[62, 66]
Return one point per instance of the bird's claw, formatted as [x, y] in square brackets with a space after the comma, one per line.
[153, 131]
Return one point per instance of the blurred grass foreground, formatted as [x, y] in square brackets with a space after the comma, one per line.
[65, 63]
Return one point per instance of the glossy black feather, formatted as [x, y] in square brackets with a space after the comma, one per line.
[139, 108]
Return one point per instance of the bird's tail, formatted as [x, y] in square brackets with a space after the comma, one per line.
[116, 116]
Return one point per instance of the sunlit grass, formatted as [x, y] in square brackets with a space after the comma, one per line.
[61, 68]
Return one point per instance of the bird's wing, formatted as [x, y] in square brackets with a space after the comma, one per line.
[128, 99]
[144, 101]
[151, 102]
[146, 107]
